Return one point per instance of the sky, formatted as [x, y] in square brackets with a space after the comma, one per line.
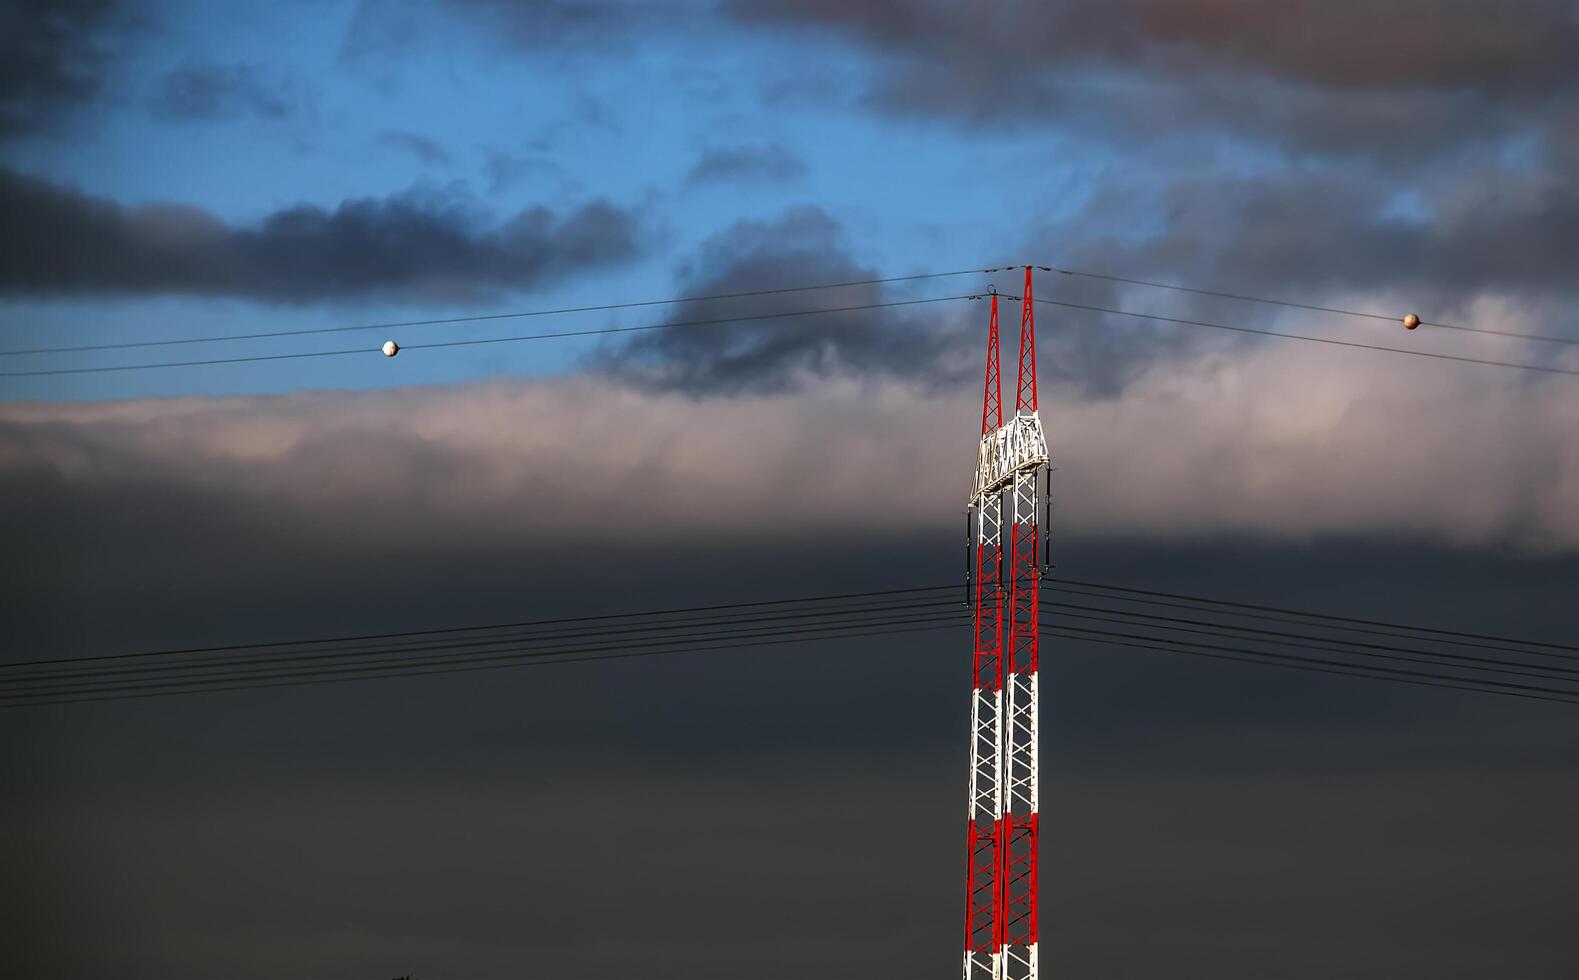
[176, 170]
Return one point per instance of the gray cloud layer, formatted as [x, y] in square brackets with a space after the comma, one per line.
[424, 148]
[52, 56]
[380, 28]
[803, 246]
[1346, 76]
[416, 244]
[1406, 44]
[1287, 443]
[206, 91]
[497, 819]
[754, 162]
[366, 875]
[1332, 231]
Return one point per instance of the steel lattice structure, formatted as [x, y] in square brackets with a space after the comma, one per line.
[1001, 821]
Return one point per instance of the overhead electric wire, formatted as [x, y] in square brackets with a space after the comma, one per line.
[1546, 369]
[1305, 663]
[1508, 642]
[1500, 685]
[1299, 306]
[485, 647]
[292, 355]
[425, 658]
[520, 314]
[547, 660]
[700, 628]
[1315, 340]
[529, 658]
[753, 619]
[832, 618]
[1288, 619]
[810, 607]
[600, 617]
[749, 293]
[558, 657]
[1306, 642]
[561, 655]
[1395, 631]
[490, 340]
[1329, 644]
[819, 608]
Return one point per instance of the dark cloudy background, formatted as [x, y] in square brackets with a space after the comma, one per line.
[182, 169]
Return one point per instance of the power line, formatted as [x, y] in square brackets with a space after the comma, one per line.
[487, 340]
[1481, 686]
[563, 656]
[757, 612]
[743, 294]
[1299, 640]
[1222, 653]
[833, 619]
[1314, 340]
[754, 619]
[530, 657]
[1263, 617]
[603, 617]
[417, 659]
[827, 617]
[820, 606]
[795, 313]
[1507, 642]
[1300, 306]
[603, 307]
[1501, 686]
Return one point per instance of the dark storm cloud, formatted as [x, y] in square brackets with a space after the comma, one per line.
[1407, 44]
[344, 512]
[208, 91]
[764, 162]
[386, 27]
[803, 246]
[1383, 80]
[930, 345]
[1423, 871]
[497, 819]
[543, 23]
[59, 241]
[502, 818]
[53, 55]
[1316, 233]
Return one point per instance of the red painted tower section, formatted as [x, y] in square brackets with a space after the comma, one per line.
[991, 393]
[983, 891]
[1018, 830]
[1025, 391]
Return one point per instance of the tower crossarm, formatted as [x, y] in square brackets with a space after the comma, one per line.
[1014, 448]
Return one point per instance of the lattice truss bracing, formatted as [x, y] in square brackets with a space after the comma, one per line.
[1001, 871]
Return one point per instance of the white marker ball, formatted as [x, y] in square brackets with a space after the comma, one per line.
[391, 348]
[1411, 321]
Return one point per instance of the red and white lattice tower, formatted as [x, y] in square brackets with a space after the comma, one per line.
[1001, 907]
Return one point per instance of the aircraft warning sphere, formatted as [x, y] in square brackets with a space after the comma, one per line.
[391, 348]
[1411, 321]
